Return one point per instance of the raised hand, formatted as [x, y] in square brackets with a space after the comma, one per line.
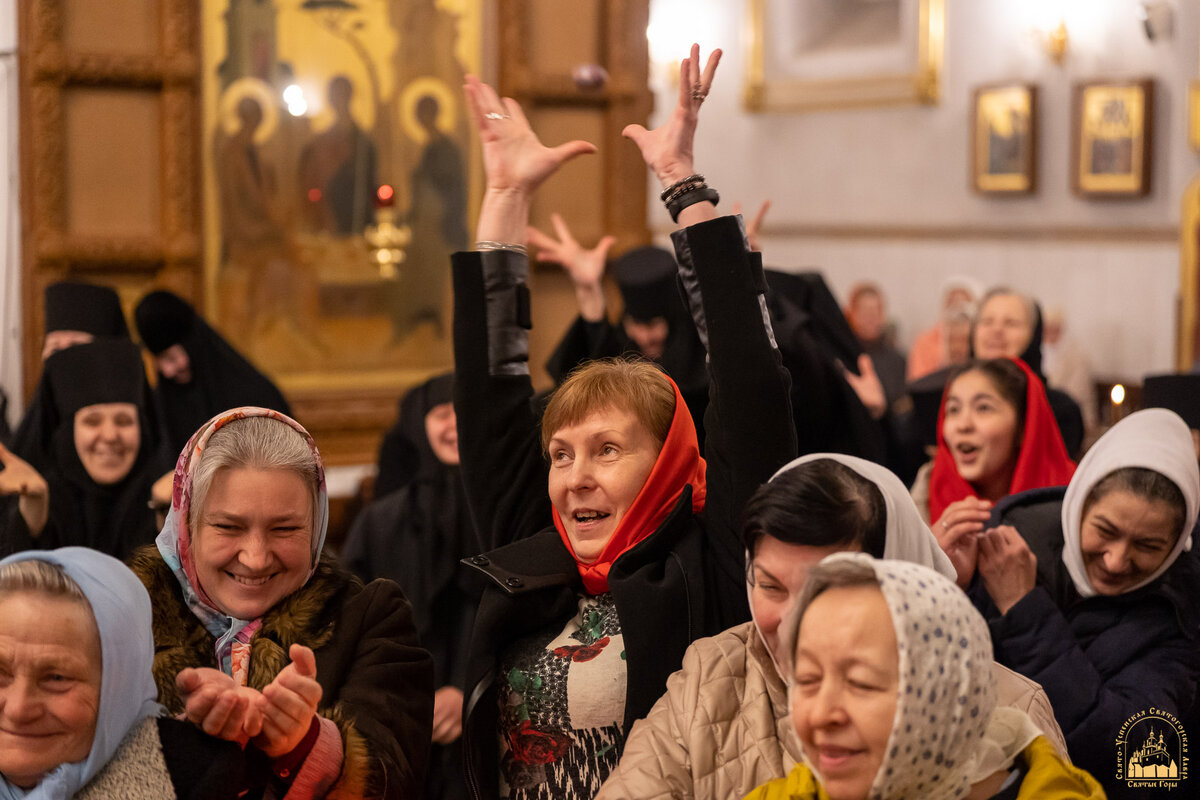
[290, 704]
[957, 532]
[513, 157]
[1007, 565]
[584, 267]
[218, 705]
[667, 150]
[20, 478]
[867, 386]
[515, 162]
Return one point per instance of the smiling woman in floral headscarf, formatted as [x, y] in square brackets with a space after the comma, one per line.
[239, 588]
[892, 695]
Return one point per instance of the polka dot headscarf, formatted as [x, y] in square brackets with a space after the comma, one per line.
[946, 689]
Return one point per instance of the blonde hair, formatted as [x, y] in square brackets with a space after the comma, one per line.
[256, 443]
[632, 385]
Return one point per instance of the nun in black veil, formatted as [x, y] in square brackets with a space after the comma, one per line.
[76, 313]
[415, 534]
[95, 491]
[199, 373]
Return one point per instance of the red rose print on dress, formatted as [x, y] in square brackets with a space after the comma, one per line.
[531, 746]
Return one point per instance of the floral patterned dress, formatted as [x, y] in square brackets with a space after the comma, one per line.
[562, 706]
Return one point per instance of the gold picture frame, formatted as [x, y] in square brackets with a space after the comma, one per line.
[1004, 128]
[1112, 138]
[1194, 115]
[338, 177]
[847, 64]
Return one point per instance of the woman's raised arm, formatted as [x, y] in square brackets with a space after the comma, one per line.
[499, 446]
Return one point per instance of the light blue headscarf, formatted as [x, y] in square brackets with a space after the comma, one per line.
[121, 607]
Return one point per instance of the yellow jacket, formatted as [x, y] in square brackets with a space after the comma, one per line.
[1049, 776]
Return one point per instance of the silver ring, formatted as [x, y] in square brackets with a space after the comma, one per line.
[495, 115]
[698, 95]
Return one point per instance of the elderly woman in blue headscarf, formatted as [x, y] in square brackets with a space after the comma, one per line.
[78, 716]
[261, 640]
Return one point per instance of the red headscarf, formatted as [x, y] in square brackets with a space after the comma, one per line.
[679, 464]
[1042, 460]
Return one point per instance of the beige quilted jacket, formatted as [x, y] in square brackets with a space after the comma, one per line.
[723, 727]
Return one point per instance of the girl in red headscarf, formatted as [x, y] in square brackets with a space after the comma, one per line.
[996, 436]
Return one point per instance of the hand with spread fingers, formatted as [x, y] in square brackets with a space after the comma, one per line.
[515, 162]
[584, 267]
[1007, 565]
[20, 478]
[290, 704]
[218, 705]
[866, 385]
[957, 532]
[668, 149]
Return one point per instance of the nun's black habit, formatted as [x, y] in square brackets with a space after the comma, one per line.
[415, 535]
[114, 518]
[221, 378]
[83, 307]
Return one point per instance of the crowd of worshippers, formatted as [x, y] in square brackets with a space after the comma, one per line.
[694, 569]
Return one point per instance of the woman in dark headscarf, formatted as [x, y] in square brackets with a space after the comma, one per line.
[199, 373]
[415, 534]
[98, 483]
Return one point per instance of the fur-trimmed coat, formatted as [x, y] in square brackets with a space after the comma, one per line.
[377, 681]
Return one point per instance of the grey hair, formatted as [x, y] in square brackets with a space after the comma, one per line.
[1031, 310]
[837, 573]
[40, 577]
[255, 443]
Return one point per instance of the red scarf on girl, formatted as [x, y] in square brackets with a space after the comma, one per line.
[679, 464]
[1042, 460]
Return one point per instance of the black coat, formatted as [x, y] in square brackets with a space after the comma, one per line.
[684, 581]
[1100, 659]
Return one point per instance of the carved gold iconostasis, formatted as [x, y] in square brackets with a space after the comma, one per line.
[337, 180]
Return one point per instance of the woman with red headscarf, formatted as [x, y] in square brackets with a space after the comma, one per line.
[996, 436]
[592, 598]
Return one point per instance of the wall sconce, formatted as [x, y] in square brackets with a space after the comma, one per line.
[1054, 41]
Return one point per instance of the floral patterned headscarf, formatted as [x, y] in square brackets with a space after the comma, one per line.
[946, 693]
[175, 541]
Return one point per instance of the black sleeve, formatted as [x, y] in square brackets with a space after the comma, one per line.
[201, 767]
[749, 426]
[499, 442]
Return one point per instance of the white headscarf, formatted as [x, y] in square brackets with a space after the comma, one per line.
[1155, 439]
[121, 608]
[946, 692]
[907, 537]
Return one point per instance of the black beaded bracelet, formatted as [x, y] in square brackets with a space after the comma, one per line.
[698, 195]
[678, 187]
